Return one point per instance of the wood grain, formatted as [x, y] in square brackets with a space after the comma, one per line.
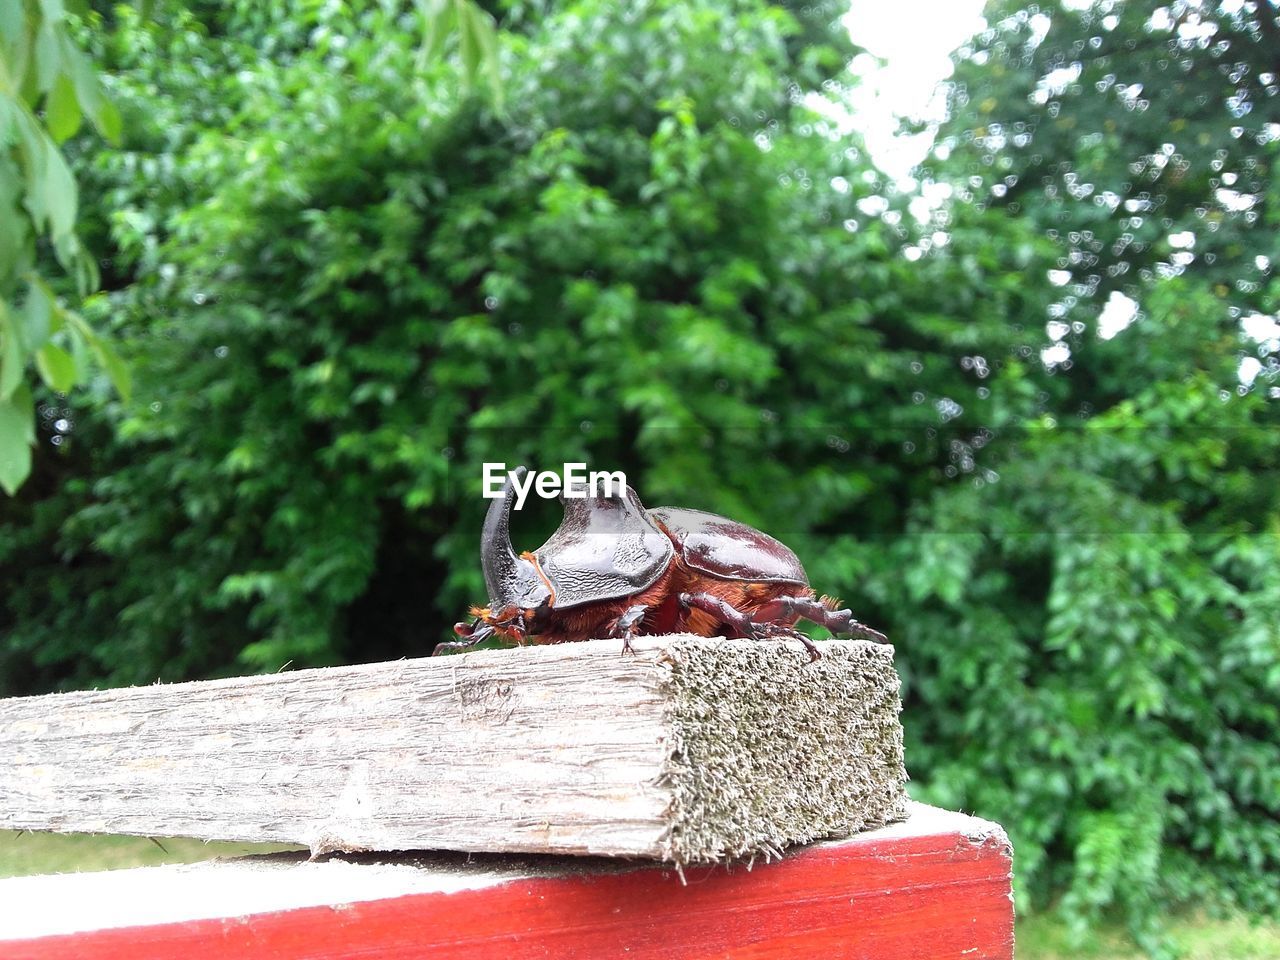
[936, 887]
[691, 750]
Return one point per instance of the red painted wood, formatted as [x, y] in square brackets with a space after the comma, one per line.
[926, 898]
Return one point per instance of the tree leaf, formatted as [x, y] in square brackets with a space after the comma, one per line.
[468, 42]
[486, 38]
[108, 121]
[60, 197]
[53, 10]
[17, 434]
[100, 111]
[36, 321]
[116, 368]
[16, 43]
[32, 141]
[62, 110]
[81, 357]
[15, 252]
[56, 367]
[439, 18]
[48, 62]
[12, 355]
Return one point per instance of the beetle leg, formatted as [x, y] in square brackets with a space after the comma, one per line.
[625, 625]
[837, 621]
[781, 630]
[445, 645]
[726, 612]
[471, 633]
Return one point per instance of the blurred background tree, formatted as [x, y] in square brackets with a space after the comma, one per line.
[1129, 557]
[1024, 419]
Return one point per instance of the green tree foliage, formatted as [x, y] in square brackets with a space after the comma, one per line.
[373, 288]
[1119, 590]
[47, 88]
[343, 286]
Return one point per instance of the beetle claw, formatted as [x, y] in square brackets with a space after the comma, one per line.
[469, 634]
[780, 631]
[625, 625]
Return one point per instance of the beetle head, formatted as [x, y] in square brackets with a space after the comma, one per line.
[510, 623]
[513, 580]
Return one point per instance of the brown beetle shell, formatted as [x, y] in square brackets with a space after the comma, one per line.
[728, 549]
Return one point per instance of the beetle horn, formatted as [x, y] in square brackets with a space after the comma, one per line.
[504, 572]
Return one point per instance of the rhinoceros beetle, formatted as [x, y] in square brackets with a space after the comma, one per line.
[615, 569]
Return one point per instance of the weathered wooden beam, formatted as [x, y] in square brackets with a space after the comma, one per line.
[936, 887]
[691, 750]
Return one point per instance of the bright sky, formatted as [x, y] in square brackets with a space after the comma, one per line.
[915, 39]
